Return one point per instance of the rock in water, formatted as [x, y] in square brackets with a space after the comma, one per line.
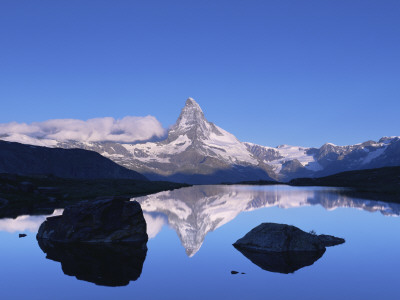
[115, 220]
[272, 237]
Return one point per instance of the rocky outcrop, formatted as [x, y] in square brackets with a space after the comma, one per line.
[115, 220]
[272, 237]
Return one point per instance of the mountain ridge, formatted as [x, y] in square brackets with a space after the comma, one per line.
[198, 151]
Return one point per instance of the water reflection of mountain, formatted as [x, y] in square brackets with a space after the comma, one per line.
[195, 211]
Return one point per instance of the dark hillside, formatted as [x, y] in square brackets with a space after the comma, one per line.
[21, 159]
[382, 180]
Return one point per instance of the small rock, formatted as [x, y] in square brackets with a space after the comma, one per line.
[234, 272]
[21, 235]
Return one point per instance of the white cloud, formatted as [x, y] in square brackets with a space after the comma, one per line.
[25, 223]
[126, 130]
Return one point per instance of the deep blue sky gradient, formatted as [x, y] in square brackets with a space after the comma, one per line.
[271, 72]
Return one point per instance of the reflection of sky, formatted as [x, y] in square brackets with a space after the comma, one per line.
[365, 267]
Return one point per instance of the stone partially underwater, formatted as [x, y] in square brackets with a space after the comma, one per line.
[115, 220]
[100, 241]
[283, 248]
[102, 264]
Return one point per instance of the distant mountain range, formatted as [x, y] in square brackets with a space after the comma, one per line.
[16, 158]
[198, 151]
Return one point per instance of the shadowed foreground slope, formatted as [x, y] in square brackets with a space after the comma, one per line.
[23, 159]
[382, 180]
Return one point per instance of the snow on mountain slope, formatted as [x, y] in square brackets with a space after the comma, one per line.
[374, 154]
[284, 153]
[329, 158]
[229, 147]
[149, 152]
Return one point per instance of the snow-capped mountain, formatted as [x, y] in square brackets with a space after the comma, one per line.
[195, 211]
[291, 162]
[198, 151]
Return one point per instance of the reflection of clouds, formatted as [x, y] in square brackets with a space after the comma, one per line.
[25, 223]
[154, 223]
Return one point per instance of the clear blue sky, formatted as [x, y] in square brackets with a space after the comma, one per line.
[271, 72]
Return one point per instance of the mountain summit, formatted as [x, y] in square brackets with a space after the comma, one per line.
[191, 114]
[191, 122]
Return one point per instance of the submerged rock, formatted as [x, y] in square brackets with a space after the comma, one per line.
[101, 264]
[115, 220]
[273, 237]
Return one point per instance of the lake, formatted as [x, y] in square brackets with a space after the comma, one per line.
[190, 253]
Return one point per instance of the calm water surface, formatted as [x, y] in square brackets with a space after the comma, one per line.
[190, 253]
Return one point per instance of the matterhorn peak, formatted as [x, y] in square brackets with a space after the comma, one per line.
[192, 104]
[191, 101]
[191, 122]
[191, 114]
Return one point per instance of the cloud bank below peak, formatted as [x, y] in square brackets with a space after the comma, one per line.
[126, 130]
